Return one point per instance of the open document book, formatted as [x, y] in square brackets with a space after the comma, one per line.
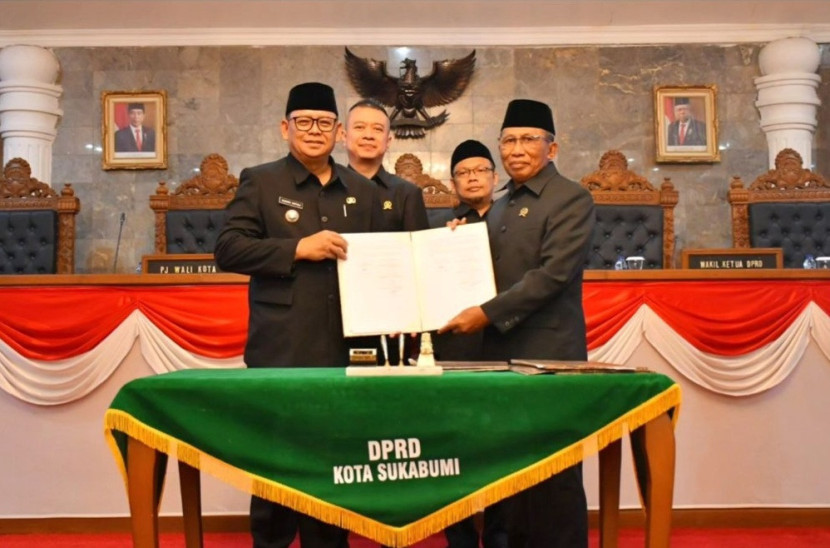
[537, 367]
[410, 282]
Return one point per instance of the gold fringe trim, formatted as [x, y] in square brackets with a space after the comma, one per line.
[668, 400]
[114, 449]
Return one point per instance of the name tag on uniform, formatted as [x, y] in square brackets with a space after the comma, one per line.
[290, 203]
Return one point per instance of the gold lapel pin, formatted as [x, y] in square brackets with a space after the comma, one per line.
[523, 212]
[387, 204]
[351, 200]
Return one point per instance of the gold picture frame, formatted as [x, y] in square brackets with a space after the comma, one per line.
[134, 129]
[695, 141]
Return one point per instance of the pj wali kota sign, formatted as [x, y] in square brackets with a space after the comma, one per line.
[193, 263]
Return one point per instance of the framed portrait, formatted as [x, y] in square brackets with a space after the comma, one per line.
[686, 124]
[134, 129]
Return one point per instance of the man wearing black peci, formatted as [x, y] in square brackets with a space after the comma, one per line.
[686, 130]
[473, 178]
[540, 232]
[283, 230]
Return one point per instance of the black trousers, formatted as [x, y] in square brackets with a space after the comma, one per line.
[275, 526]
[493, 534]
[551, 514]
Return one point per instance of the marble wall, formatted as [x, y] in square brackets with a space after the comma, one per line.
[230, 100]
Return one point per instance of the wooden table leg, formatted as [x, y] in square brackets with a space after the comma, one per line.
[609, 494]
[653, 448]
[191, 490]
[145, 471]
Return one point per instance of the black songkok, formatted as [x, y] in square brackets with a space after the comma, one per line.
[311, 96]
[528, 113]
[135, 106]
[469, 149]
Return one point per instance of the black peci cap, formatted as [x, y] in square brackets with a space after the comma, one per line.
[528, 113]
[469, 149]
[311, 96]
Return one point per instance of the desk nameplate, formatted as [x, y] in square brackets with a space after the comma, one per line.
[733, 258]
[186, 263]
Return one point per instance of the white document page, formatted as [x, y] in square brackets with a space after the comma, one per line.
[455, 271]
[377, 285]
[410, 282]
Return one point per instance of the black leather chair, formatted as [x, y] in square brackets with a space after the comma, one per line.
[189, 219]
[632, 217]
[37, 225]
[788, 207]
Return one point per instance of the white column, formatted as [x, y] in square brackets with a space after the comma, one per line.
[787, 96]
[29, 110]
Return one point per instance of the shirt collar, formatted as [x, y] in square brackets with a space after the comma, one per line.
[380, 177]
[535, 184]
[462, 210]
[302, 175]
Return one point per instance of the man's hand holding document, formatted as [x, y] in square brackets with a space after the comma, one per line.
[411, 282]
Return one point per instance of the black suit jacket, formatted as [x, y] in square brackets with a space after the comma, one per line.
[125, 140]
[695, 134]
[294, 306]
[402, 203]
[540, 234]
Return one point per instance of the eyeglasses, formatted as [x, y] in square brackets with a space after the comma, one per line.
[304, 123]
[509, 142]
[479, 172]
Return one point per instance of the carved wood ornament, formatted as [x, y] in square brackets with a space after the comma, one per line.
[614, 184]
[19, 191]
[788, 182]
[436, 194]
[212, 188]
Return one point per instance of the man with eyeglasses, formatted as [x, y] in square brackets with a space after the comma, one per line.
[283, 230]
[540, 232]
[473, 177]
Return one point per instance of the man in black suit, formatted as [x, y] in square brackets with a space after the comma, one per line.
[686, 130]
[283, 230]
[367, 137]
[135, 137]
[473, 177]
[540, 233]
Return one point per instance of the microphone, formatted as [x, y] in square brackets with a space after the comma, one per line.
[118, 242]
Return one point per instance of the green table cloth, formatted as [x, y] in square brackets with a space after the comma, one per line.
[392, 458]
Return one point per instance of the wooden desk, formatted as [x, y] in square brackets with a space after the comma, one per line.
[559, 417]
[590, 276]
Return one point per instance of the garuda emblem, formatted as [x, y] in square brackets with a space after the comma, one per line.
[410, 95]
